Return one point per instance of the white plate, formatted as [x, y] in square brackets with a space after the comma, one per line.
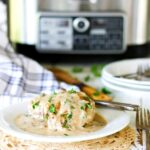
[125, 67]
[116, 119]
[126, 85]
[119, 88]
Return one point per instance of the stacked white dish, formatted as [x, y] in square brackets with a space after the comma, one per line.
[111, 72]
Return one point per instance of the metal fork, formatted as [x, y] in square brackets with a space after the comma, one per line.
[143, 122]
[146, 71]
[142, 73]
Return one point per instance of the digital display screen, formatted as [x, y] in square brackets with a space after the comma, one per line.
[62, 23]
[98, 23]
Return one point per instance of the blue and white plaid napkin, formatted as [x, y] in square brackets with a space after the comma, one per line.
[21, 77]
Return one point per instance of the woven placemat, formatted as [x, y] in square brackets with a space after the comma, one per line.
[119, 141]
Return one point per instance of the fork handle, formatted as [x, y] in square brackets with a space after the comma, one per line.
[66, 77]
[118, 105]
[147, 139]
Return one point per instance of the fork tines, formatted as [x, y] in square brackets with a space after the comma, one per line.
[143, 119]
[147, 117]
[143, 122]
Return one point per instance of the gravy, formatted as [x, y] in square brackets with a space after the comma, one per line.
[37, 126]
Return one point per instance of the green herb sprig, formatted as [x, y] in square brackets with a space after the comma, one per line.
[72, 91]
[105, 90]
[52, 109]
[97, 69]
[87, 78]
[65, 124]
[69, 116]
[87, 98]
[85, 106]
[77, 69]
[35, 105]
[96, 93]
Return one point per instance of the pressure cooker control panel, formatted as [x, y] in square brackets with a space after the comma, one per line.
[80, 33]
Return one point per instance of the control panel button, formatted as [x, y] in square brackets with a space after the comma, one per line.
[81, 24]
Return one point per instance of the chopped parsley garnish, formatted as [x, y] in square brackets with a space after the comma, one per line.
[97, 69]
[72, 107]
[66, 134]
[69, 116]
[89, 106]
[87, 78]
[65, 125]
[52, 108]
[82, 107]
[85, 106]
[87, 98]
[50, 98]
[35, 105]
[72, 91]
[96, 93]
[77, 69]
[105, 90]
